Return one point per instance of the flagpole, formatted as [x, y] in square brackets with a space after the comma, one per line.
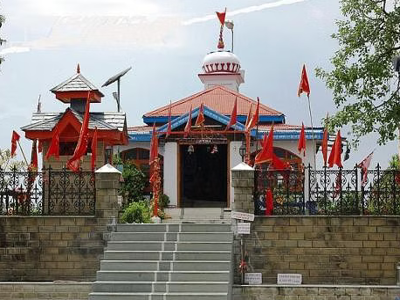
[23, 154]
[312, 130]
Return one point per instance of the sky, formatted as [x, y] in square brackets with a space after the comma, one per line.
[165, 43]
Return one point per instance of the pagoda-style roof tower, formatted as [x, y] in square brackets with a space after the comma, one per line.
[111, 126]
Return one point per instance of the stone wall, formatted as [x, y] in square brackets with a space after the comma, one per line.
[45, 290]
[316, 293]
[325, 249]
[48, 248]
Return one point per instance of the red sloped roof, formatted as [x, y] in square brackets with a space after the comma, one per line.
[218, 98]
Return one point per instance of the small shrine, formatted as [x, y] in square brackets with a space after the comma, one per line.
[76, 91]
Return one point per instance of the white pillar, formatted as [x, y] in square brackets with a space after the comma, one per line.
[171, 172]
[234, 160]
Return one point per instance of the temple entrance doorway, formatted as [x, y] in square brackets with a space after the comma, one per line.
[203, 175]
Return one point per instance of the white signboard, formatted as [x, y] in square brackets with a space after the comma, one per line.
[242, 216]
[253, 278]
[289, 278]
[243, 228]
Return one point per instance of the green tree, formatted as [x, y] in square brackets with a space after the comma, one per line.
[134, 182]
[364, 82]
[7, 163]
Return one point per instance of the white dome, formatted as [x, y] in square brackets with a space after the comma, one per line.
[221, 62]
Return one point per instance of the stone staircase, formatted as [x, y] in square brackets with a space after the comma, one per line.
[166, 262]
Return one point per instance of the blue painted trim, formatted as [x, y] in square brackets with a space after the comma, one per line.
[291, 135]
[241, 119]
[139, 137]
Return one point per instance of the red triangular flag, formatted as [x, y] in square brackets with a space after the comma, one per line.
[169, 129]
[83, 141]
[54, 148]
[269, 203]
[94, 149]
[200, 117]
[266, 153]
[40, 146]
[14, 139]
[249, 114]
[302, 140]
[335, 158]
[304, 87]
[34, 157]
[221, 17]
[364, 165]
[189, 123]
[254, 119]
[233, 119]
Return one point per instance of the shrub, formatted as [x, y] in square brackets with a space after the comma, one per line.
[134, 182]
[137, 212]
[163, 202]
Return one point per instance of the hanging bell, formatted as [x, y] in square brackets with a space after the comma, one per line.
[214, 149]
[190, 149]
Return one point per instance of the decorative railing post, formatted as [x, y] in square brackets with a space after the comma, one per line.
[357, 203]
[303, 180]
[378, 188]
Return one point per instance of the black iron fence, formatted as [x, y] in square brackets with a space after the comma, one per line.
[329, 191]
[49, 192]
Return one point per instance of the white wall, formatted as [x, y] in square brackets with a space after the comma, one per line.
[171, 172]
[234, 160]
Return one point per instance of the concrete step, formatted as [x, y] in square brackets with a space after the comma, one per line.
[157, 296]
[184, 227]
[159, 287]
[166, 255]
[173, 236]
[165, 265]
[163, 275]
[212, 215]
[168, 246]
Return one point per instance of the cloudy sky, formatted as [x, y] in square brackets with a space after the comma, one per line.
[165, 43]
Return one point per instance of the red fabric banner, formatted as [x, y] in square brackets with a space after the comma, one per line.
[248, 119]
[221, 17]
[302, 141]
[200, 117]
[266, 153]
[188, 124]
[54, 148]
[153, 145]
[233, 119]
[83, 141]
[34, 157]
[14, 139]
[304, 86]
[94, 149]
[335, 157]
[269, 203]
[364, 165]
[254, 120]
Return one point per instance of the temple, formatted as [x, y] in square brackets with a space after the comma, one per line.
[111, 126]
[196, 167]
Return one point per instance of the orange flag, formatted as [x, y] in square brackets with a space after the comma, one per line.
[302, 141]
[83, 141]
[14, 139]
[325, 145]
[54, 148]
[189, 123]
[335, 158]
[233, 119]
[200, 117]
[304, 87]
[169, 130]
[266, 153]
[34, 157]
[94, 149]
[254, 119]
[221, 17]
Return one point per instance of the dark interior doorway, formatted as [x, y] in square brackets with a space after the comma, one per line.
[204, 175]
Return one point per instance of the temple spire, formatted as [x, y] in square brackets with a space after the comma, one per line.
[78, 69]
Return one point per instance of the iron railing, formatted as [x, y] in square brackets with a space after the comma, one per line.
[49, 192]
[329, 191]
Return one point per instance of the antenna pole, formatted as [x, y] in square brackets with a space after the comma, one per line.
[119, 94]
